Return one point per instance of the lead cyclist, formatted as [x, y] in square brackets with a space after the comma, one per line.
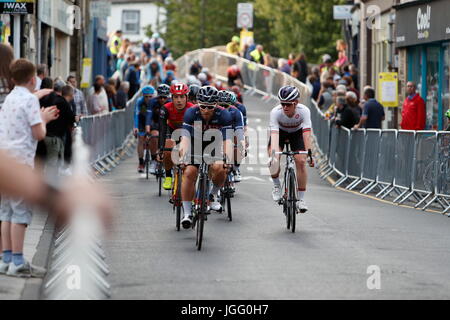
[290, 122]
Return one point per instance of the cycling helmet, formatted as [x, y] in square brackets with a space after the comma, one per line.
[224, 97]
[233, 98]
[288, 94]
[208, 95]
[163, 90]
[193, 91]
[179, 89]
[447, 114]
[148, 90]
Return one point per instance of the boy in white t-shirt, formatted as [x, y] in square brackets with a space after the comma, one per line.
[22, 125]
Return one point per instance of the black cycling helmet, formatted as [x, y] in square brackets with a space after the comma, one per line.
[193, 91]
[208, 95]
[288, 94]
[224, 97]
[163, 91]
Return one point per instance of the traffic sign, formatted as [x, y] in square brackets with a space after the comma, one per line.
[245, 16]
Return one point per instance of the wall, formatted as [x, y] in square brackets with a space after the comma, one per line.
[148, 16]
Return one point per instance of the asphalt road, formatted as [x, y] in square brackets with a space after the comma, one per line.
[255, 257]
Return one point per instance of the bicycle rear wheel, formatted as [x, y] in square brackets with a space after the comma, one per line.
[147, 163]
[178, 199]
[230, 215]
[292, 200]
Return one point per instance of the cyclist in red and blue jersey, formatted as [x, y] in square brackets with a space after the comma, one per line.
[199, 121]
[171, 117]
[153, 121]
[141, 129]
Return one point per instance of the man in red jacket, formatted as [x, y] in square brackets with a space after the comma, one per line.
[414, 110]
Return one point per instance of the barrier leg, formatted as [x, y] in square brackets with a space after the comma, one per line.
[388, 192]
[423, 200]
[369, 187]
[354, 184]
[340, 181]
[328, 173]
[400, 196]
[430, 203]
[406, 197]
[379, 194]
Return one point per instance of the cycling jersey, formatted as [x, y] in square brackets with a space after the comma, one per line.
[237, 119]
[153, 115]
[220, 120]
[300, 121]
[171, 117]
[243, 110]
[141, 113]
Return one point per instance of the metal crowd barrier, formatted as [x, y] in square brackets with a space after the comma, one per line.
[78, 268]
[405, 165]
[107, 134]
[258, 79]
[411, 166]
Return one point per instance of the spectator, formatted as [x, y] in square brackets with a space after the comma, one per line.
[132, 76]
[283, 66]
[331, 112]
[102, 97]
[341, 48]
[314, 80]
[196, 68]
[114, 47]
[112, 97]
[325, 96]
[169, 65]
[94, 104]
[233, 47]
[268, 61]
[373, 114]
[447, 115]
[354, 75]
[414, 110]
[352, 101]
[122, 95]
[120, 61]
[22, 124]
[250, 46]
[350, 85]
[6, 83]
[345, 117]
[326, 70]
[42, 72]
[154, 73]
[234, 76]
[325, 63]
[79, 101]
[291, 59]
[164, 52]
[56, 131]
[300, 68]
[258, 54]
[208, 75]
[156, 42]
[203, 79]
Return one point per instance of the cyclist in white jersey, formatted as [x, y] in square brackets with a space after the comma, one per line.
[290, 122]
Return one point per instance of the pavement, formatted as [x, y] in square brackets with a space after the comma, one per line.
[346, 247]
[36, 249]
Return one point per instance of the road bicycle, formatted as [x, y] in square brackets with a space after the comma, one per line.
[226, 194]
[176, 195]
[289, 199]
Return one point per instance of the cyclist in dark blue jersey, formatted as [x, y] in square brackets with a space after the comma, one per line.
[141, 129]
[209, 127]
[152, 121]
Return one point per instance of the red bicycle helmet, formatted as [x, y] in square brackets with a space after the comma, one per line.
[179, 89]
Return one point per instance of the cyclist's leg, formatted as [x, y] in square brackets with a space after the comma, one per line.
[168, 165]
[188, 188]
[154, 144]
[140, 148]
[218, 176]
[297, 144]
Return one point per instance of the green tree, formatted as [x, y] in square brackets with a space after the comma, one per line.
[302, 26]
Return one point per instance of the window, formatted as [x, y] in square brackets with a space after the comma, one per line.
[131, 21]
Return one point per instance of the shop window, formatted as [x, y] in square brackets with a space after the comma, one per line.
[131, 23]
[432, 99]
[446, 84]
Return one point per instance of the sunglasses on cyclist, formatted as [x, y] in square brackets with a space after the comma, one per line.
[148, 96]
[288, 104]
[207, 106]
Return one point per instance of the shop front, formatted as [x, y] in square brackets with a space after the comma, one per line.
[423, 30]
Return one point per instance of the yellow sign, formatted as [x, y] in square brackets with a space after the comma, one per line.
[388, 89]
[244, 36]
[86, 73]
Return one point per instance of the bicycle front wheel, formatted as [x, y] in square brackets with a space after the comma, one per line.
[202, 212]
[292, 200]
